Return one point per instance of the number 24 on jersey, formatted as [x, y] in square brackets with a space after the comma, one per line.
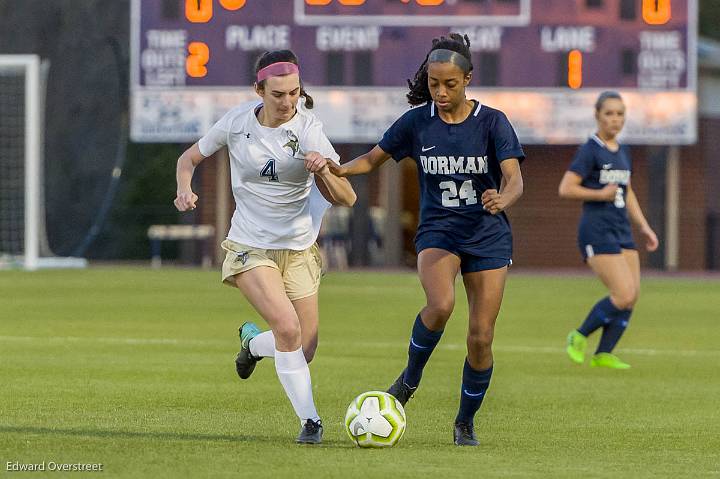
[451, 196]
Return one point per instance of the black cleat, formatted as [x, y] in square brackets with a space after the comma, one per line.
[464, 435]
[245, 362]
[401, 391]
[310, 433]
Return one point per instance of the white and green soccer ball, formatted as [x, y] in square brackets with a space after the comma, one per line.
[375, 419]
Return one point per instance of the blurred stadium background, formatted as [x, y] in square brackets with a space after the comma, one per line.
[132, 367]
[137, 96]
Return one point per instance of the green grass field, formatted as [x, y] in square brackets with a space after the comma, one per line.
[133, 368]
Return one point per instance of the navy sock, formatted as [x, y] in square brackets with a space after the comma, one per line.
[613, 332]
[422, 344]
[472, 392]
[602, 313]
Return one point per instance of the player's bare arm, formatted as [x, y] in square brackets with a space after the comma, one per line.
[186, 164]
[638, 218]
[336, 190]
[571, 188]
[510, 191]
[362, 164]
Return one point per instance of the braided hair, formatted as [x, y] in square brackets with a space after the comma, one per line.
[268, 58]
[419, 92]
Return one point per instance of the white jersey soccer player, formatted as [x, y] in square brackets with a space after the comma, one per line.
[282, 185]
[277, 202]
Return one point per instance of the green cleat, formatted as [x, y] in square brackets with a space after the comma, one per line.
[576, 345]
[245, 362]
[607, 360]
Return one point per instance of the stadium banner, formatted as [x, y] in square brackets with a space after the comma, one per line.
[361, 115]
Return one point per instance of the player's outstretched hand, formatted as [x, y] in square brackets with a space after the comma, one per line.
[185, 200]
[315, 162]
[493, 202]
[651, 241]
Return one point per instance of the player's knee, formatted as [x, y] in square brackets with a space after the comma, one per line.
[480, 351]
[480, 343]
[626, 298]
[439, 310]
[287, 332]
[635, 296]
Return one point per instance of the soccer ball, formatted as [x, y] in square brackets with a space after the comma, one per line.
[375, 419]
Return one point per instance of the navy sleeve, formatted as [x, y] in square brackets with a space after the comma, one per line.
[583, 162]
[505, 140]
[398, 139]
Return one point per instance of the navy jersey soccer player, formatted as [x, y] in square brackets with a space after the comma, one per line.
[457, 163]
[600, 176]
[468, 157]
[604, 225]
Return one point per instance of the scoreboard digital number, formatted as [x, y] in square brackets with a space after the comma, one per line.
[411, 13]
[517, 45]
[403, 13]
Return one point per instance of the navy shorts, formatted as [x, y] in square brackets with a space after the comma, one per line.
[593, 241]
[469, 263]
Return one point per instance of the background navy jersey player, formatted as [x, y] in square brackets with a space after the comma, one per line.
[456, 164]
[604, 225]
[599, 176]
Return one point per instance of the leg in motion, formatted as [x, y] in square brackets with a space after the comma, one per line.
[437, 269]
[265, 290]
[601, 314]
[484, 291]
[617, 274]
[245, 361]
[301, 280]
[308, 314]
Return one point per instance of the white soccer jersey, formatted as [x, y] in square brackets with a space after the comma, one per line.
[277, 204]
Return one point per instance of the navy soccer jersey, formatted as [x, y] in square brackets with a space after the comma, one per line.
[604, 225]
[456, 164]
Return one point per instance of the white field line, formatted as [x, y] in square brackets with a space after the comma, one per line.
[396, 345]
[108, 340]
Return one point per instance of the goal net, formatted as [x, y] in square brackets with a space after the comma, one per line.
[23, 239]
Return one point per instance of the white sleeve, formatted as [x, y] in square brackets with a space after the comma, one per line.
[318, 206]
[216, 137]
[315, 140]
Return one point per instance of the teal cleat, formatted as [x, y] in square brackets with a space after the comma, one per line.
[245, 362]
[576, 345]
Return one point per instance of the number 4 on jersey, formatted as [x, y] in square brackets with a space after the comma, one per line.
[269, 171]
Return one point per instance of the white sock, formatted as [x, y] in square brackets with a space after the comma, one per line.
[263, 345]
[294, 375]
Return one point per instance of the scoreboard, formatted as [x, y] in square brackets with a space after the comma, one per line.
[541, 61]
